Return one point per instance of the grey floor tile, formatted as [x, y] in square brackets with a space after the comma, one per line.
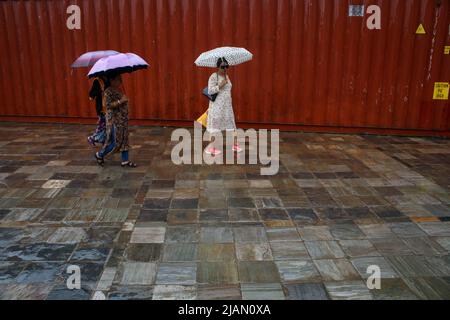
[258, 272]
[298, 270]
[262, 291]
[358, 248]
[180, 252]
[223, 272]
[174, 292]
[363, 263]
[324, 249]
[348, 290]
[336, 270]
[250, 234]
[181, 273]
[216, 235]
[288, 250]
[306, 291]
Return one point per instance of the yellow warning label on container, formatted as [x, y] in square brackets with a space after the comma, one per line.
[421, 30]
[447, 50]
[441, 90]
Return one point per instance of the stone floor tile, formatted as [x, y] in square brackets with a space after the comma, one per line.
[298, 270]
[429, 288]
[148, 235]
[324, 249]
[336, 270]
[436, 229]
[262, 291]
[130, 293]
[312, 233]
[152, 215]
[216, 235]
[306, 291]
[288, 250]
[361, 264]
[90, 253]
[393, 289]
[424, 246]
[212, 292]
[444, 242]
[250, 234]
[346, 231]
[358, 248]
[61, 292]
[377, 230]
[174, 292]
[216, 252]
[223, 272]
[391, 246]
[40, 272]
[181, 273]
[282, 234]
[106, 279]
[258, 272]
[406, 229]
[253, 251]
[143, 252]
[243, 215]
[273, 214]
[180, 234]
[180, 252]
[25, 291]
[137, 273]
[213, 215]
[348, 290]
[67, 235]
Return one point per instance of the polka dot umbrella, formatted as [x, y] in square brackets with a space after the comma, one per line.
[233, 55]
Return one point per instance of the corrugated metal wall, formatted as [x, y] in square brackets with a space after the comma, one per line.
[313, 64]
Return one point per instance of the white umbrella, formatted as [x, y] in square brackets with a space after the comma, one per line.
[233, 55]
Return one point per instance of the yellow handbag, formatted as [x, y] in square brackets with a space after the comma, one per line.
[203, 119]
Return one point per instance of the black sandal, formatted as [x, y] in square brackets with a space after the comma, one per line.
[129, 164]
[100, 161]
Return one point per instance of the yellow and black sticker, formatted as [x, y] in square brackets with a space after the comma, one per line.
[441, 90]
[421, 30]
[447, 50]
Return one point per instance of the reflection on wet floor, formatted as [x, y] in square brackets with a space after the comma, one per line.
[339, 204]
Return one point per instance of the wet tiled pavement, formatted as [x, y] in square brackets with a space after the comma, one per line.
[339, 204]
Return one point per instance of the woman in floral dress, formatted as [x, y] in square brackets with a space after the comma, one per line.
[220, 112]
[116, 123]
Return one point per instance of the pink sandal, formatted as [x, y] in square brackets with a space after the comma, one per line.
[236, 148]
[213, 151]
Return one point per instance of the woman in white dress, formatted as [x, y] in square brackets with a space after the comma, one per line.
[220, 112]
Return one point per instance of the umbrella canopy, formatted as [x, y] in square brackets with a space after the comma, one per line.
[88, 59]
[118, 63]
[233, 55]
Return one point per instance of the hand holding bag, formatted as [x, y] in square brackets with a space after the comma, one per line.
[211, 97]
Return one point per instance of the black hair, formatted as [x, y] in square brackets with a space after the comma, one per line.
[220, 61]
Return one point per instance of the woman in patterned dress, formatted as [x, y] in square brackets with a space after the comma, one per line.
[116, 123]
[220, 112]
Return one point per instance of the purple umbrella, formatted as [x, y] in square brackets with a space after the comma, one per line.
[88, 59]
[119, 63]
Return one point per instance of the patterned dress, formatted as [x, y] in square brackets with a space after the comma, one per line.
[220, 112]
[116, 121]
